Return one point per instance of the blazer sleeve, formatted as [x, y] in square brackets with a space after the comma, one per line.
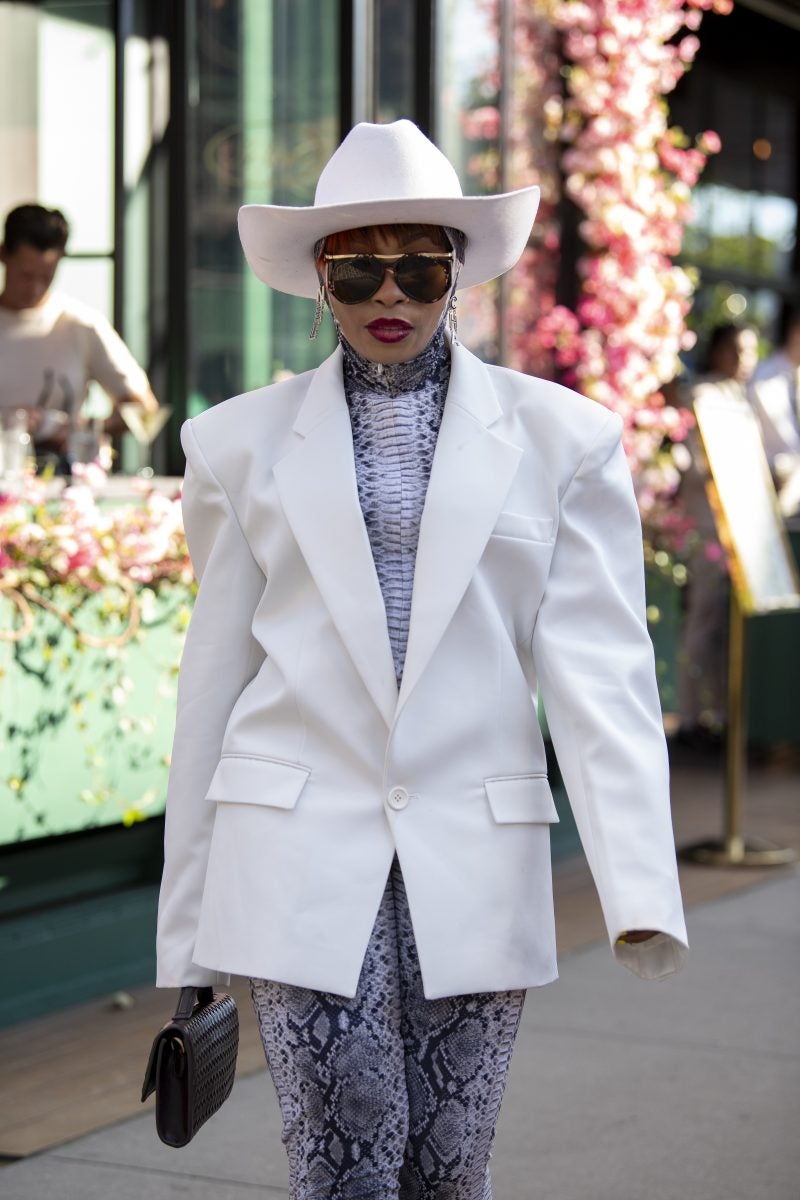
[220, 657]
[594, 661]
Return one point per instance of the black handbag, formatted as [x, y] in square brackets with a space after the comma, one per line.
[192, 1063]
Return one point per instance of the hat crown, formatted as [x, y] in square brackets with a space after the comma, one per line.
[386, 162]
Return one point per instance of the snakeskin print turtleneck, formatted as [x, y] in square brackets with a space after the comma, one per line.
[395, 414]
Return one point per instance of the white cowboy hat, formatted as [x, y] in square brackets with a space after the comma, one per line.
[385, 174]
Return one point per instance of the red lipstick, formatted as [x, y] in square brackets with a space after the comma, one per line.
[389, 329]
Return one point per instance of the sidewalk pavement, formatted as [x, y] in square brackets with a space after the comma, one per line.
[619, 1090]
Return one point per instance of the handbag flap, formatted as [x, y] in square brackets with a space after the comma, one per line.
[174, 1092]
[149, 1085]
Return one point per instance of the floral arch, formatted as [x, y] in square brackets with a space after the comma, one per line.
[584, 113]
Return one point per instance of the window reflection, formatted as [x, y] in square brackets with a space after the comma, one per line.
[742, 230]
[742, 237]
[497, 70]
[395, 46]
[467, 123]
[62, 153]
[263, 120]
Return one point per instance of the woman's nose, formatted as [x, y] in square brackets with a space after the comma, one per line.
[389, 292]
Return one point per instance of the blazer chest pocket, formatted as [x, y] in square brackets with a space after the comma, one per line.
[242, 779]
[525, 529]
[521, 799]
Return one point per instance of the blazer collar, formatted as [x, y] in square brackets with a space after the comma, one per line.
[470, 387]
[473, 469]
[472, 472]
[324, 397]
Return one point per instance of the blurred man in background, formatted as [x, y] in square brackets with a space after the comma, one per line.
[52, 347]
[775, 395]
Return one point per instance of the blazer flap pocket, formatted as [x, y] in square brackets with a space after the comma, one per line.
[517, 525]
[240, 779]
[521, 799]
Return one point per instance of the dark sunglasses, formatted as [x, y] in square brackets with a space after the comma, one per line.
[353, 278]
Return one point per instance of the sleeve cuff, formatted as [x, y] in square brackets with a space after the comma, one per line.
[655, 959]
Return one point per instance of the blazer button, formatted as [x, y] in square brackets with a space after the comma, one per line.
[398, 798]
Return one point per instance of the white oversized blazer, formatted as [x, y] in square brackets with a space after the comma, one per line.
[298, 772]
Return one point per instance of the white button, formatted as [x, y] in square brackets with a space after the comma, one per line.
[398, 798]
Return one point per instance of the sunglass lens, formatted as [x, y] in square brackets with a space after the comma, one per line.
[355, 279]
[423, 279]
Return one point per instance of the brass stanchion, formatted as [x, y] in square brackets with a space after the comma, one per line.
[733, 850]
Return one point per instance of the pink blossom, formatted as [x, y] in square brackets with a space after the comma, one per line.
[709, 142]
[71, 541]
[688, 47]
[631, 176]
[481, 124]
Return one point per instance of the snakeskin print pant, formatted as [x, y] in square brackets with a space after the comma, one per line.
[387, 1096]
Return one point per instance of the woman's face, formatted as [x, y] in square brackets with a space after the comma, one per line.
[389, 327]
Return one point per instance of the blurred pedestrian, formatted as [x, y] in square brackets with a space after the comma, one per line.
[731, 357]
[775, 395]
[51, 346]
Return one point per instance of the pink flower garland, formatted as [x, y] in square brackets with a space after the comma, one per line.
[71, 541]
[631, 175]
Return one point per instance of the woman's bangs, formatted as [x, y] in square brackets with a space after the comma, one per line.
[366, 238]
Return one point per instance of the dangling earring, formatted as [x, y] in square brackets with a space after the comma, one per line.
[319, 309]
[452, 317]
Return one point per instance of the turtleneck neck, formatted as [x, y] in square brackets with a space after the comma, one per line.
[362, 375]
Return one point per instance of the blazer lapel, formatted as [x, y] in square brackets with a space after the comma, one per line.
[317, 486]
[473, 469]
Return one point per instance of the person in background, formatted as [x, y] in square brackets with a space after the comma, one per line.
[775, 396]
[731, 358]
[51, 346]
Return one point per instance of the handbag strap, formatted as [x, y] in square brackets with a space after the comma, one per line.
[186, 1001]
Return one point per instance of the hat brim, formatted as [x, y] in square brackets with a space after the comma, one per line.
[279, 241]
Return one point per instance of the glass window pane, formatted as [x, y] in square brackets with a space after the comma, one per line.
[395, 42]
[264, 106]
[468, 74]
[75, 119]
[739, 230]
[497, 67]
[467, 125]
[742, 235]
[56, 126]
[90, 280]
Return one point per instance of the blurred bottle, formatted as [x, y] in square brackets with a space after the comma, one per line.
[15, 444]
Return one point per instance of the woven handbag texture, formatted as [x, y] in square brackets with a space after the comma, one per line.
[192, 1063]
[211, 1038]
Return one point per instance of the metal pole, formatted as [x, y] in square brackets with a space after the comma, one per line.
[736, 743]
[123, 28]
[363, 61]
[733, 850]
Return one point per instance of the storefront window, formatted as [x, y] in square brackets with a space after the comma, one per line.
[263, 120]
[497, 71]
[395, 48]
[468, 130]
[56, 129]
[742, 236]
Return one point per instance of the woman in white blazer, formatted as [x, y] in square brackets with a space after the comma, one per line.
[358, 813]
